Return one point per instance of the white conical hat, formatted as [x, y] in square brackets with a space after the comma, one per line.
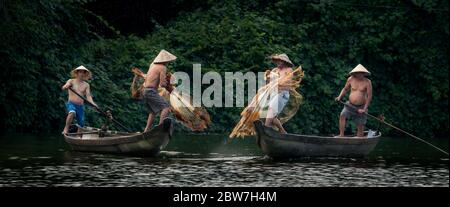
[282, 57]
[359, 68]
[164, 56]
[81, 67]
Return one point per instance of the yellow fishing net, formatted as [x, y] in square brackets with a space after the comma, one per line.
[138, 83]
[195, 118]
[258, 107]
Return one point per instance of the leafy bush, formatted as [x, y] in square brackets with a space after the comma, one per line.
[403, 44]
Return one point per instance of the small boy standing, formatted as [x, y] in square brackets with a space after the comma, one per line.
[75, 105]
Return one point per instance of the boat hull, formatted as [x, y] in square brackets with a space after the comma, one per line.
[278, 145]
[148, 143]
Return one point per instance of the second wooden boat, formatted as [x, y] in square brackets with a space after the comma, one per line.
[277, 145]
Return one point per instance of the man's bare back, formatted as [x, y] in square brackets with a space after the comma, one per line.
[156, 76]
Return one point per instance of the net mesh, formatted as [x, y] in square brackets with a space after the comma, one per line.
[181, 105]
[259, 105]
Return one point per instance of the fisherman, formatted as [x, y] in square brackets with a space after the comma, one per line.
[277, 103]
[75, 105]
[360, 98]
[156, 77]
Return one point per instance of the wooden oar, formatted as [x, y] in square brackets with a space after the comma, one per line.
[401, 130]
[101, 111]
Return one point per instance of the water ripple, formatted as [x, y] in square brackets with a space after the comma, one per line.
[213, 163]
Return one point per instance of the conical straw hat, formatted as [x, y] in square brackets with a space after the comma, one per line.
[81, 67]
[164, 56]
[359, 69]
[284, 58]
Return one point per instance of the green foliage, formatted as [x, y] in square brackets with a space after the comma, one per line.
[38, 46]
[403, 44]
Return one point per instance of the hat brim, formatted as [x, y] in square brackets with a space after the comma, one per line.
[365, 73]
[167, 61]
[73, 73]
[289, 63]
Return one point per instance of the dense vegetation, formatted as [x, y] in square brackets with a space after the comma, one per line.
[403, 43]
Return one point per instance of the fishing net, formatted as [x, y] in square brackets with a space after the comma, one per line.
[138, 83]
[259, 105]
[181, 105]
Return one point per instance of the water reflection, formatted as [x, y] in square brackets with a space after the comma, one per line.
[213, 161]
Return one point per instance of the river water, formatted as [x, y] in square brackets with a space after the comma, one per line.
[213, 160]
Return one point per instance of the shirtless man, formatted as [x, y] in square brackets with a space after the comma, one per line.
[75, 104]
[277, 104]
[156, 77]
[360, 98]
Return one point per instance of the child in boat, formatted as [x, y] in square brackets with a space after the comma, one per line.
[156, 77]
[360, 98]
[74, 105]
[276, 105]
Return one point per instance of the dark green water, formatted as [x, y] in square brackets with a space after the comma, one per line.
[212, 160]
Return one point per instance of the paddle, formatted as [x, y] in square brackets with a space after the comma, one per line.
[401, 130]
[106, 114]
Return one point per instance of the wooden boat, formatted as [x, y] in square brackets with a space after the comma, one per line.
[149, 143]
[277, 145]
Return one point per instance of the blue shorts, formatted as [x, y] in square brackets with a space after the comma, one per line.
[78, 110]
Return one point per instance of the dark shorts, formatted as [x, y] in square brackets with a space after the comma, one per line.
[154, 102]
[78, 110]
[350, 113]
